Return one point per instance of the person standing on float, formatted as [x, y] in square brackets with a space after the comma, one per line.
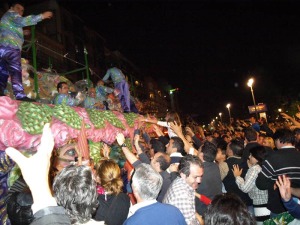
[120, 83]
[11, 41]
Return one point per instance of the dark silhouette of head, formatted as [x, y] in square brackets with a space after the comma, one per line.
[228, 209]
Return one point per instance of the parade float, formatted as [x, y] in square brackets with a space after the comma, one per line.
[21, 125]
[22, 122]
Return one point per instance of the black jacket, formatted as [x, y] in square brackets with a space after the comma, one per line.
[229, 180]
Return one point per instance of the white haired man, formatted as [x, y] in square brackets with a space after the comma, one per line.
[146, 184]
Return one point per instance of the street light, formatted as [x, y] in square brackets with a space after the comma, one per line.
[228, 107]
[250, 83]
[220, 114]
[171, 91]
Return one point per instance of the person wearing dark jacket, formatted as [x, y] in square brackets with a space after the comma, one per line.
[113, 203]
[264, 127]
[234, 151]
[251, 141]
[283, 161]
[211, 184]
[18, 203]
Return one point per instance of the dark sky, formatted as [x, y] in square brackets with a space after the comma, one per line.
[208, 49]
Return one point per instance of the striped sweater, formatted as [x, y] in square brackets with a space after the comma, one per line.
[284, 161]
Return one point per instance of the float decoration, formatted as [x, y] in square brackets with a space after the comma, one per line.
[34, 116]
[95, 148]
[113, 119]
[96, 118]
[67, 115]
[130, 118]
[99, 118]
[21, 124]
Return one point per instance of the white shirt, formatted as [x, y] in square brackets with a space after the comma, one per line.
[166, 124]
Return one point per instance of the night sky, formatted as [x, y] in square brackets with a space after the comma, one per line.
[208, 49]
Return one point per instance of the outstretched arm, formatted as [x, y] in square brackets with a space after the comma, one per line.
[35, 172]
[187, 146]
[32, 19]
[288, 117]
[196, 140]
[148, 120]
[128, 154]
[160, 135]
[36, 168]
[47, 15]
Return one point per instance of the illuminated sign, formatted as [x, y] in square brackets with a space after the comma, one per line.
[259, 108]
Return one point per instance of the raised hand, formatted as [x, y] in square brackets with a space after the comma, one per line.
[47, 15]
[189, 131]
[120, 138]
[35, 170]
[237, 171]
[106, 150]
[284, 185]
[176, 128]
[158, 131]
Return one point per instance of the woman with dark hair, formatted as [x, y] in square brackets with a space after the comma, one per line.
[228, 209]
[113, 203]
[247, 185]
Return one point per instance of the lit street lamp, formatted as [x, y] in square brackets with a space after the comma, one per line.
[279, 115]
[220, 114]
[172, 97]
[228, 107]
[250, 83]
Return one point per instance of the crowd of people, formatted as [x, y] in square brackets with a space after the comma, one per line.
[247, 172]
[176, 175]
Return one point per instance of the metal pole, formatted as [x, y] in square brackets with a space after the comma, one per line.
[172, 102]
[132, 88]
[87, 66]
[220, 114]
[73, 71]
[36, 84]
[252, 92]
